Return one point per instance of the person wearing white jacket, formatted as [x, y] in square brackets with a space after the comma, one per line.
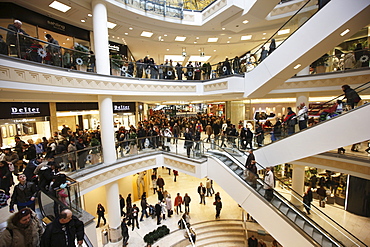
[269, 184]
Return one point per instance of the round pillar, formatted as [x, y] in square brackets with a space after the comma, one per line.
[297, 184]
[114, 215]
[106, 128]
[100, 18]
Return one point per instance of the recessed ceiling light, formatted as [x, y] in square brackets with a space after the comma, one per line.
[64, 43]
[67, 38]
[264, 38]
[245, 21]
[344, 32]
[180, 38]
[146, 34]
[197, 38]
[111, 25]
[83, 20]
[246, 37]
[162, 39]
[167, 49]
[222, 34]
[212, 40]
[223, 28]
[89, 15]
[264, 34]
[60, 6]
[195, 42]
[214, 50]
[126, 33]
[228, 42]
[297, 66]
[284, 31]
[130, 28]
[165, 35]
[117, 37]
[113, 37]
[229, 37]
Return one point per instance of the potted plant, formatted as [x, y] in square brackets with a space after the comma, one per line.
[320, 64]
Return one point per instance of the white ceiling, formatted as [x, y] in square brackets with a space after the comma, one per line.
[141, 46]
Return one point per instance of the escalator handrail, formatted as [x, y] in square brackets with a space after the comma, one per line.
[300, 197]
[296, 13]
[293, 207]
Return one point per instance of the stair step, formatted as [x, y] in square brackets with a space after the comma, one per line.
[317, 236]
[300, 221]
[284, 209]
[276, 202]
[308, 229]
[232, 239]
[292, 215]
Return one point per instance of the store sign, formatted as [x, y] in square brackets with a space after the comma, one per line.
[119, 107]
[25, 120]
[56, 25]
[113, 47]
[21, 110]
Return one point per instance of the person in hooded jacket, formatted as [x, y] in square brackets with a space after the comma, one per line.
[23, 229]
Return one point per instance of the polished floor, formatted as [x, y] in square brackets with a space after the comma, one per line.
[357, 225]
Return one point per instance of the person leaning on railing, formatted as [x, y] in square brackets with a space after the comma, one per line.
[15, 42]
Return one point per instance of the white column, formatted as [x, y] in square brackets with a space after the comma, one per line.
[305, 71]
[297, 183]
[106, 128]
[100, 29]
[114, 212]
[302, 98]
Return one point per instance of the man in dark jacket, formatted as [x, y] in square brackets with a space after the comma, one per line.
[124, 230]
[11, 38]
[63, 231]
[24, 194]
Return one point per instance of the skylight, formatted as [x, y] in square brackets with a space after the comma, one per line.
[146, 34]
[212, 40]
[111, 25]
[59, 6]
[180, 38]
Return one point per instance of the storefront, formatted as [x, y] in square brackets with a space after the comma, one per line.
[124, 114]
[27, 120]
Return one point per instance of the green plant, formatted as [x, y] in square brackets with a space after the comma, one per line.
[153, 236]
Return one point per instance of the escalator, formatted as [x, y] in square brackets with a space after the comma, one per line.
[343, 130]
[48, 204]
[322, 31]
[283, 220]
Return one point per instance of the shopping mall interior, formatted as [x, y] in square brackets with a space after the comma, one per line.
[115, 63]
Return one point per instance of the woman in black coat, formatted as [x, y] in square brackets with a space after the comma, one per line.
[100, 211]
[5, 177]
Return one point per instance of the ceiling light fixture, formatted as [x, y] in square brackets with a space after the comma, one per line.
[246, 37]
[83, 20]
[284, 31]
[344, 32]
[126, 33]
[228, 42]
[212, 40]
[165, 35]
[223, 28]
[180, 38]
[60, 6]
[89, 15]
[245, 21]
[146, 34]
[264, 34]
[130, 28]
[229, 37]
[111, 25]
[195, 42]
[297, 66]
[197, 38]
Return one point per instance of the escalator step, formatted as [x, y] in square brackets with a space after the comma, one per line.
[233, 167]
[318, 237]
[308, 229]
[292, 215]
[275, 202]
[326, 243]
[239, 172]
[300, 222]
[284, 209]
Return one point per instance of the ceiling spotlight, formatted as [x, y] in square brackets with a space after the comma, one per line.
[297, 66]
[223, 28]
[195, 42]
[130, 28]
[89, 15]
[83, 20]
[126, 33]
[167, 49]
[214, 50]
[344, 32]
[229, 37]
[197, 38]
[165, 35]
[228, 42]
[264, 34]
[245, 21]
